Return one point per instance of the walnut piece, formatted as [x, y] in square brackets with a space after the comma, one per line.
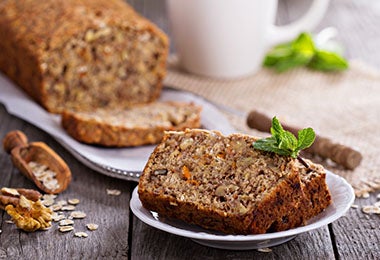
[29, 215]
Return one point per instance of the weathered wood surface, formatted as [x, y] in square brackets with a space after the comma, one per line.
[122, 236]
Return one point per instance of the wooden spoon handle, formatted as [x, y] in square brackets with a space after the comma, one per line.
[324, 147]
[14, 139]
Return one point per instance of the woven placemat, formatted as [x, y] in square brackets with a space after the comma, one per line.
[343, 106]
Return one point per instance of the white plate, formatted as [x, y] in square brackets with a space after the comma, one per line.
[123, 163]
[342, 196]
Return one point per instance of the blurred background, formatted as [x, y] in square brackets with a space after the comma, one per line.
[357, 22]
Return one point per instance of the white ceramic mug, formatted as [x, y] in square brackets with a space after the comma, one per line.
[229, 38]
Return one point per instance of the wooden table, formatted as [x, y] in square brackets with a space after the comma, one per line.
[121, 235]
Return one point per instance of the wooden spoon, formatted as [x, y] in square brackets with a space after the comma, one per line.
[22, 153]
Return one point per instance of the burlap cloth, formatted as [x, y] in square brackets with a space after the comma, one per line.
[342, 106]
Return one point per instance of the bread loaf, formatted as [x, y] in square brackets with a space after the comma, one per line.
[222, 183]
[81, 54]
[138, 125]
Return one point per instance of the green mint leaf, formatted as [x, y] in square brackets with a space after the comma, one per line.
[269, 145]
[288, 141]
[280, 52]
[304, 46]
[328, 61]
[306, 138]
[284, 142]
[276, 128]
[294, 61]
[303, 52]
[290, 55]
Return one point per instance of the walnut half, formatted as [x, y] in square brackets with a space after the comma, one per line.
[30, 215]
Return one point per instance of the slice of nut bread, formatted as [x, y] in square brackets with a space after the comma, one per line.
[222, 183]
[134, 126]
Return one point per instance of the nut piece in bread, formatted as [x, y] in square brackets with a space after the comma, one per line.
[81, 54]
[222, 183]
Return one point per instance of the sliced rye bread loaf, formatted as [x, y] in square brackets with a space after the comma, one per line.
[134, 126]
[221, 183]
[82, 54]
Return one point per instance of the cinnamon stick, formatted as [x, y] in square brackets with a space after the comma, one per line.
[322, 146]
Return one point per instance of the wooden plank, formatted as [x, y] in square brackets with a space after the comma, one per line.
[111, 213]
[150, 243]
[358, 233]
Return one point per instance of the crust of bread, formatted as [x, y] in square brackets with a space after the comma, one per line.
[138, 125]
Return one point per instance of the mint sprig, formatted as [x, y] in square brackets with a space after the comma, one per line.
[283, 142]
[303, 52]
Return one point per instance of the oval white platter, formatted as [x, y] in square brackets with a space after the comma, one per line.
[342, 198]
[123, 163]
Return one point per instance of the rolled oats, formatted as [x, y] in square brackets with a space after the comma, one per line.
[56, 207]
[113, 192]
[73, 201]
[66, 222]
[78, 214]
[45, 175]
[68, 207]
[66, 228]
[365, 195]
[48, 199]
[92, 226]
[81, 234]
[57, 217]
[62, 202]
[264, 250]
[371, 209]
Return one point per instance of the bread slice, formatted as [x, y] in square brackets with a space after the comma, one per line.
[134, 126]
[222, 183]
[82, 54]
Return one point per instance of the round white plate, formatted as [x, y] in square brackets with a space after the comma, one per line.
[342, 198]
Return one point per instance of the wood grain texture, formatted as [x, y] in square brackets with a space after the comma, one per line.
[123, 236]
[111, 213]
[157, 244]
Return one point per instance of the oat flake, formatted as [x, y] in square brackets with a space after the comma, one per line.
[78, 214]
[56, 207]
[66, 228]
[264, 250]
[47, 202]
[73, 201]
[66, 222]
[369, 209]
[365, 195]
[62, 202]
[81, 234]
[68, 207]
[113, 192]
[92, 226]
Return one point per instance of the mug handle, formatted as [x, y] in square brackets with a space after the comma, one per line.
[307, 22]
